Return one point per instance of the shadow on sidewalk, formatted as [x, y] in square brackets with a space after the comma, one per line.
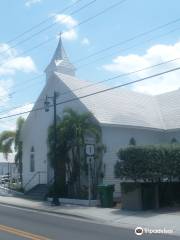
[147, 213]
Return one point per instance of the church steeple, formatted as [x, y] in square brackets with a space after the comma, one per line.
[60, 62]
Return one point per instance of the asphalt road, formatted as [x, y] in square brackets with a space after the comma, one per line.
[16, 223]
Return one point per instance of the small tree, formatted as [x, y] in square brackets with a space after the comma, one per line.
[10, 138]
[6, 141]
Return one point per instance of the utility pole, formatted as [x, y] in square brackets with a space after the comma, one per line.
[55, 199]
[47, 105]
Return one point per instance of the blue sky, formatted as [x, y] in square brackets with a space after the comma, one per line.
[130, 18]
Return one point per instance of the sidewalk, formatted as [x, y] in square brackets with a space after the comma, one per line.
[114, 217]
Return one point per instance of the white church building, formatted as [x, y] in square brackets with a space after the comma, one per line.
[122, 114]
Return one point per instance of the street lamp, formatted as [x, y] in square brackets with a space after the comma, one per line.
[47, 105]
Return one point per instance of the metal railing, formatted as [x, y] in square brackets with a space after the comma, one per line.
[51, 181]
[37, 177]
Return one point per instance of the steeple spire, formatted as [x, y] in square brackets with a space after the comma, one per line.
[60, 62]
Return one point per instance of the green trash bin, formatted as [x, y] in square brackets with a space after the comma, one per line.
[106, 195]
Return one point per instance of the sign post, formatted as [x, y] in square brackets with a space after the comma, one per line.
[90, 158]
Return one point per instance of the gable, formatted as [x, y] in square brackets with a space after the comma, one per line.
[117, 107]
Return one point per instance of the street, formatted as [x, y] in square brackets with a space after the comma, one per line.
[16, 223]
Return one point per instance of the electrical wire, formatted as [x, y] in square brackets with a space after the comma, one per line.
[42, 22]
[95, 93]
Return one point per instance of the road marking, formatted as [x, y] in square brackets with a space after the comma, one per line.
[21, 233]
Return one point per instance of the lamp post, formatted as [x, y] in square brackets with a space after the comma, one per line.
[47, 106]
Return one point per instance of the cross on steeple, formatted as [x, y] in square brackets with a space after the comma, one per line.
[60, 61]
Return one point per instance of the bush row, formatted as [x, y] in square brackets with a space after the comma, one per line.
[154, 163]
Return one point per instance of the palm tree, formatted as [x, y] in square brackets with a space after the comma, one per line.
[81, 125]
[72, 131]
[6, 141]
[18, 145]
[10, 138]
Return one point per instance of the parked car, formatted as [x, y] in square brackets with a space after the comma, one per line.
[4, 179]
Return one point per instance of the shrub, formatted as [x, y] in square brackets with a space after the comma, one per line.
[149, 163]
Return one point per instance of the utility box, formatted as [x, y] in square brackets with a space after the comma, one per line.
[139, 196]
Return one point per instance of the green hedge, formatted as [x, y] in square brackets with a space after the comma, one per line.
[154, 163]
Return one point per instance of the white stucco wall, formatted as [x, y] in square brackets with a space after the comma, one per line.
[34, 132]
[172, 134]
[114, 138]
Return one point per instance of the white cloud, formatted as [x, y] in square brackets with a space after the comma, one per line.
[6, 51]
[24, 64]
[66, 20]
[154, 55]
[5, 86]
[28, 3]
[24, 108]
[70, 34]
[69, 23]
[10, 64]
[85, 41]
[10, 123]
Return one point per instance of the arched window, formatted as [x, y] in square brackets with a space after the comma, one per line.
[32, 160]
[132, 142]
[32, 149]
[174, 140]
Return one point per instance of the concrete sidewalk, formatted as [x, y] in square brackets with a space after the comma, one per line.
[110, 216]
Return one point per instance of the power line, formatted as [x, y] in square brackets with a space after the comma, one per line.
[21, 85]
[16, 107]
[151, 30]
[106, 80]
[109, 47]
[119, 76]
[84, 65]
[28, 85]
[156, 28]
[95, 93]
[72, 13]
[81, 23]
[42, 22]
[48, 27]
[128, 48]
[30, 80]
[128, 40]
[123, 75]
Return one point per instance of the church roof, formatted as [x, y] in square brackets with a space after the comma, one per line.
[126, 107]
[120, 106]
[60, 62]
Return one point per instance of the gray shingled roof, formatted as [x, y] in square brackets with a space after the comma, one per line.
[126, 107]
[60, 62]
[169, 106]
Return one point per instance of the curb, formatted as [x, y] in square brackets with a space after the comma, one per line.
[11, 191]
[47, 211]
